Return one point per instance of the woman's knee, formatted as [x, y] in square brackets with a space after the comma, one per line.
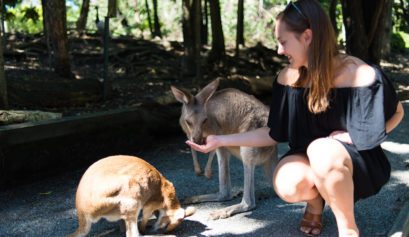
[327, 155]
[291, 181]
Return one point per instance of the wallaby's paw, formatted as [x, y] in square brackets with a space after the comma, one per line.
[231, 210]
[198, 172]
[219, 214]
[191, 200]
[213, 197]
[208, 174]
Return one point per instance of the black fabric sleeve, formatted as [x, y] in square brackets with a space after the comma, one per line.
[278, 116]
[368, 110]
[390, 97]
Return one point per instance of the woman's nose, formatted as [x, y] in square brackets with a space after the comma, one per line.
[280, 50]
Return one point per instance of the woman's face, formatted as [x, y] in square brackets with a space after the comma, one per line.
[295, 49]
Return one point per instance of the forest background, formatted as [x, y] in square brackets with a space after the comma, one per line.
[74, 56]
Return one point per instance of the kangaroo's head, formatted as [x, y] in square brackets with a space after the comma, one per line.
[194, 117]
[172, 215]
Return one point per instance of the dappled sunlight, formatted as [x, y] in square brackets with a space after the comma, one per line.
[240, 226]
[395, 147]
[402, 176]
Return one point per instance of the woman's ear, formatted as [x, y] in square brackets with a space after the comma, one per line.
[307, 36]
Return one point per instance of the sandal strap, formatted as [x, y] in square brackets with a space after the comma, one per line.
[312, 218]
[312, 221]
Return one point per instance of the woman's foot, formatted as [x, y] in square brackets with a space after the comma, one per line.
[311, 224]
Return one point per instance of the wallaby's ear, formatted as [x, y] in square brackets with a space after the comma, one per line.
[190, 211]
[180, 214]
[181, 95]
[205, 93]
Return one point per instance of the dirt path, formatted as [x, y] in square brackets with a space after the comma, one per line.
[46, 208]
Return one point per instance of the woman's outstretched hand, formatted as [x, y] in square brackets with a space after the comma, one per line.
[211, 144]
[342, 136]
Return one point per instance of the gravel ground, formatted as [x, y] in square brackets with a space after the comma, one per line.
[46, 207]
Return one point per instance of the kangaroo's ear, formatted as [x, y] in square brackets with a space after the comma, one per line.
[205, 93]
[181, 95]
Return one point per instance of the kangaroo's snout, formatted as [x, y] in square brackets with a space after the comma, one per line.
[199, 140]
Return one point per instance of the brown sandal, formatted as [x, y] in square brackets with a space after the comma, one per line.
[311, 224]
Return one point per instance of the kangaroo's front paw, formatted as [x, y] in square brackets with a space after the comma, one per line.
[219, 214]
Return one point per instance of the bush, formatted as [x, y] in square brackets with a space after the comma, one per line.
[397, 43]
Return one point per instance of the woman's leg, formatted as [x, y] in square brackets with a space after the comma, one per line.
[332, 167]
[299, 186]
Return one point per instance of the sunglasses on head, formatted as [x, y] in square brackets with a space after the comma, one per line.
[291, 4]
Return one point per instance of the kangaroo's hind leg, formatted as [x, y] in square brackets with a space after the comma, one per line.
[224, 194]
[248, 201]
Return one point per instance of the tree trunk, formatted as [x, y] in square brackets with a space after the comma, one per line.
[333, 15]
[218, 50]
[188, 65]
[198, 44]
[148, 11]
[240, 26]
[156, 22]
[386, 40]
[3, 29]
[365, 24]
[56, 29]
[3, 85]
[205, 23]
[82, 20]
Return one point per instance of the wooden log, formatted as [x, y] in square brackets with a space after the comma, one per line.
[150, 118]
[48, 92]
[21, 116]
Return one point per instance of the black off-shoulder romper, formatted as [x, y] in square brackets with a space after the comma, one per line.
[362, 111]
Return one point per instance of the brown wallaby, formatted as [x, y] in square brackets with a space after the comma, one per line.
[224, 112]
[119, 187]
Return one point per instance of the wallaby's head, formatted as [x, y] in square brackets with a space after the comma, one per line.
[193, 119]
[172, 214]
[173, 218]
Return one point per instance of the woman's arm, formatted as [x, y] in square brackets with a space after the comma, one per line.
[256, 138]
[395, 119]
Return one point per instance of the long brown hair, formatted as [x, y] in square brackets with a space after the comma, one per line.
[308, 14]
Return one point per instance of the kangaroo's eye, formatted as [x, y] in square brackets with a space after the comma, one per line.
[204, 121]
[188, 123]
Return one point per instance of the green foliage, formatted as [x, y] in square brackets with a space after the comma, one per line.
[11, 3]
[258, 21]
[30, 13]
[9, 16]
[132, 20]
[24, 18]
[73, 12]
[397, 43]
[400, 24]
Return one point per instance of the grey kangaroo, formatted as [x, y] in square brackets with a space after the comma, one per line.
[188, 131]
[224, 112]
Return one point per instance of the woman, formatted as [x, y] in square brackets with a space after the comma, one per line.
[334, 110]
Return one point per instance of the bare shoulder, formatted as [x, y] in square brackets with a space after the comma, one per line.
[354, 73]
[288, 76]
